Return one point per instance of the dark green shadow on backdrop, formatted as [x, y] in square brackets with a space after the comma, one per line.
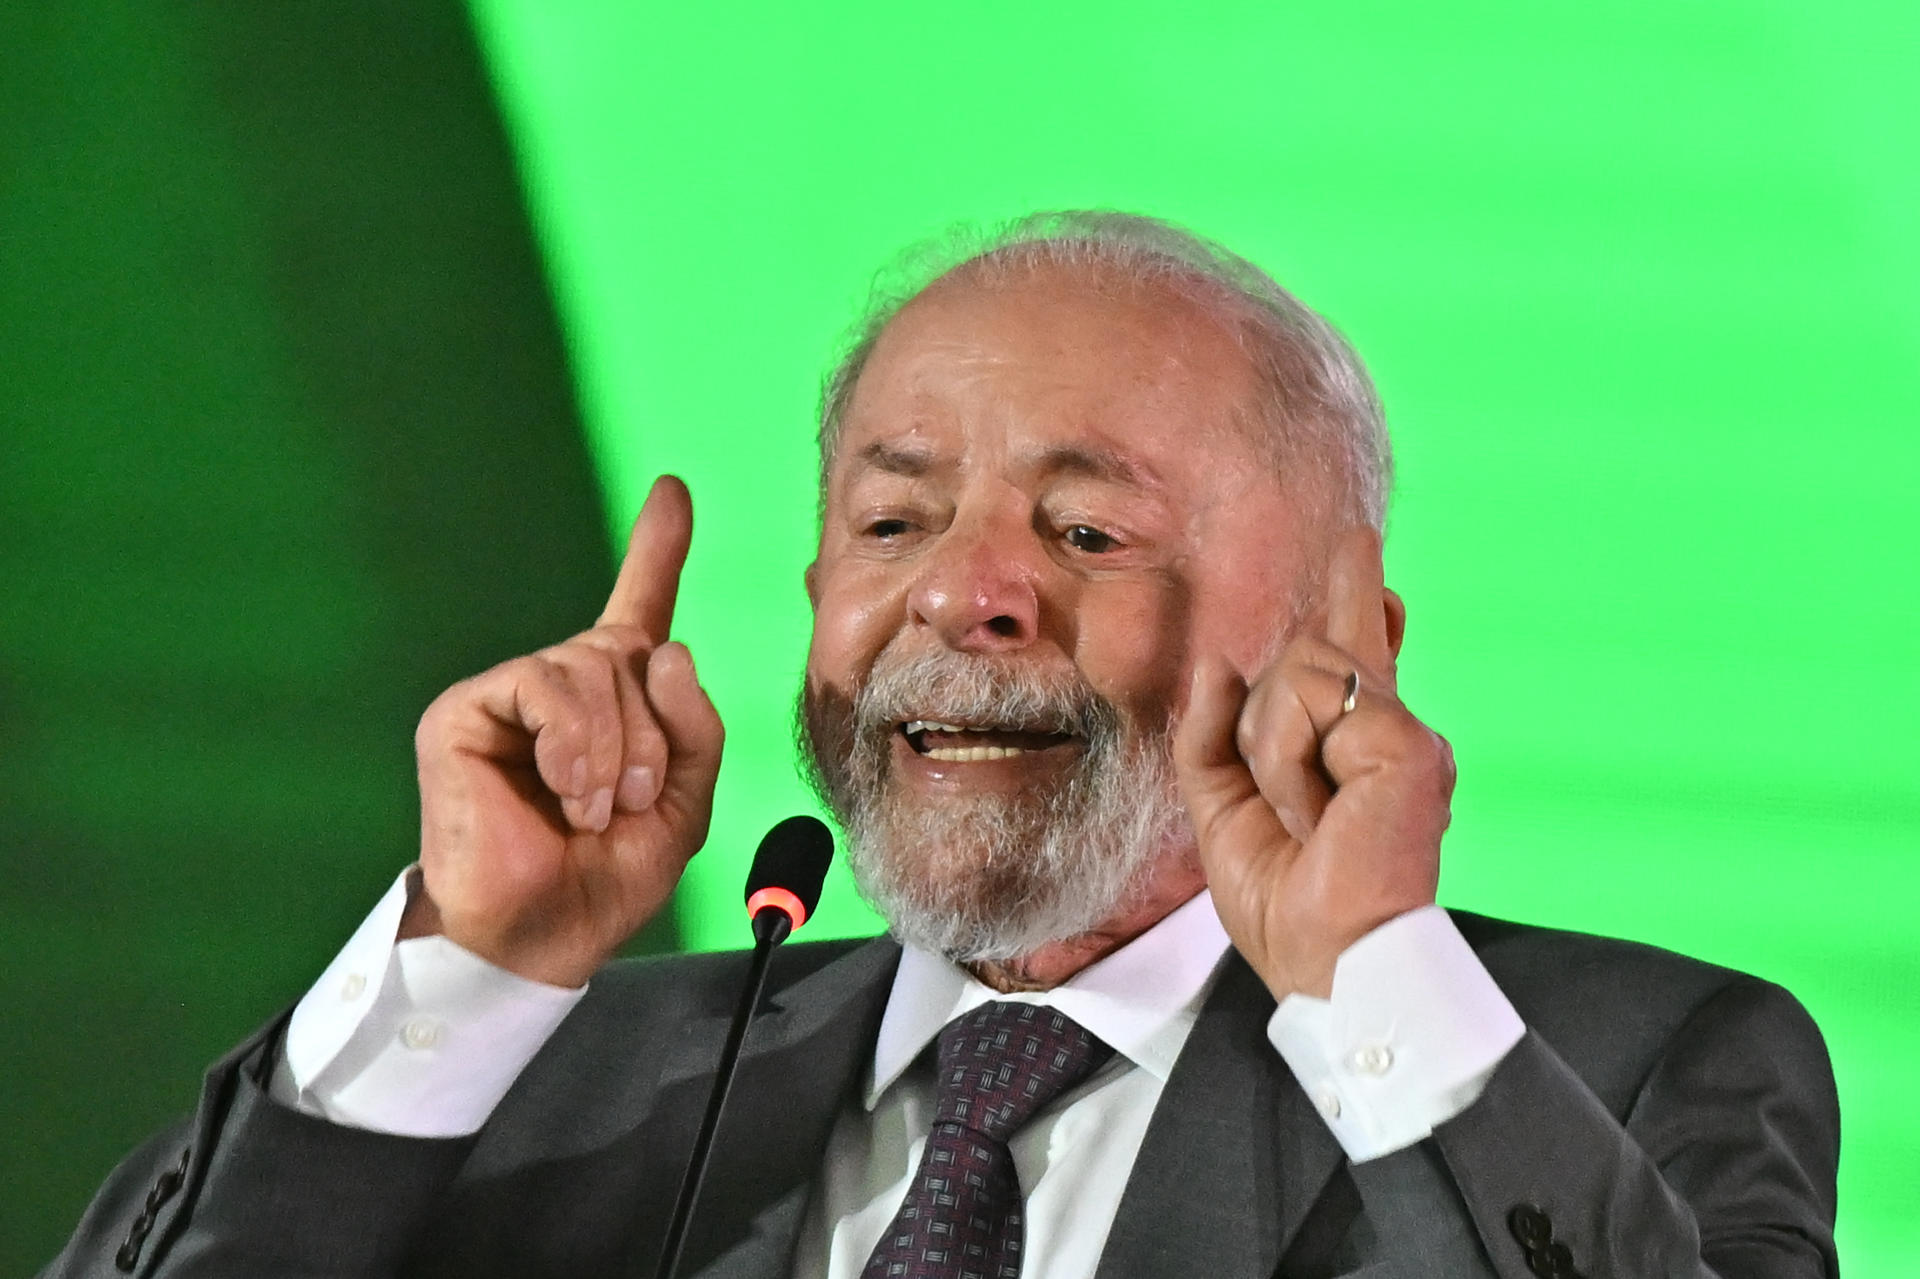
[290, 444]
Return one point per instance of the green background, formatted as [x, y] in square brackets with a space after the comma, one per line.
[341, 343]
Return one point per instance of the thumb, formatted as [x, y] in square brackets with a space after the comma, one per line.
[694, 736]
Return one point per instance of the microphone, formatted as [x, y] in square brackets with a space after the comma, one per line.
[784, 885]
[782, 889]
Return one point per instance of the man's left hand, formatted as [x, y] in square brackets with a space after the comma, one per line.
[1316, 823]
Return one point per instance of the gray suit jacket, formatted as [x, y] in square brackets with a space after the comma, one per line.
[1662, 1117]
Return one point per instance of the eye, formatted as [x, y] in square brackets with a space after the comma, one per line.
[1084, 537]
[888, 529]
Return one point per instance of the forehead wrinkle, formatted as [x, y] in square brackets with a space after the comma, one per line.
[949, 362]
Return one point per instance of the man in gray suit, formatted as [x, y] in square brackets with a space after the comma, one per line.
[1102, 689]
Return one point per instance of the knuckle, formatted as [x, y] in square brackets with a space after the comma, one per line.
[562, 664]
[646, 744]
[1273, 690]
[442, 705]
[561, 738]
[537, 675]
[604, 748]
[1426, 755]
[437, 721]
[579, 670]
[1314, 653]
[1245, 740]
[1392, 736]
[1261, 746]
[427, 732]
[640, 721]
[538, 665]
[615, 639]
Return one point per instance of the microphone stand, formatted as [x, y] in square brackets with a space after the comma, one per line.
[771, 926]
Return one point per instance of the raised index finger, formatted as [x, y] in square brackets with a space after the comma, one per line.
[1357, 600]
[649, 581]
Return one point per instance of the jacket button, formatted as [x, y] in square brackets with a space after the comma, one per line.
[1531, 1226]
[163, 1189]
[129, 1255]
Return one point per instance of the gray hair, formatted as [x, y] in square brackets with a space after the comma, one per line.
[1318, 409]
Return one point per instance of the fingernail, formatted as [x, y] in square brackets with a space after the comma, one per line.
[599, 810]
[639, 787]
[577, 776]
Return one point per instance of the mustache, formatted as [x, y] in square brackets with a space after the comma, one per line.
[970, 689]
[992, 876]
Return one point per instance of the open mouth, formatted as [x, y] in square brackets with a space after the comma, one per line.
[968, 743]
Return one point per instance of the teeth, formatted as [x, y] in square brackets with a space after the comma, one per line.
[973, 754]
[934, 725]
[961, 754]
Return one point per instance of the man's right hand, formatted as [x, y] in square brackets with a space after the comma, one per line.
[562, 793]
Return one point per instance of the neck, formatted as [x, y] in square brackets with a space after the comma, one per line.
[1169, 887]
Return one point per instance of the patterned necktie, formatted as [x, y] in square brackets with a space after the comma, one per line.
[963, 1215]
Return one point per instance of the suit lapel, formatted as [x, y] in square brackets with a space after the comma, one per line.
[1234, 1158]
[802, 1060]
[1232, 1164]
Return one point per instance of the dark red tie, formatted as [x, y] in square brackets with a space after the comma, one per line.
[963, 1215]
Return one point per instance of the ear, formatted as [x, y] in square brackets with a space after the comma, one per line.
[1396, 620]
[812, 579]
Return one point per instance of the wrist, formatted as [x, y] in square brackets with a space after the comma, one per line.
[532, 952]
[1298, 975]
[1308, 963]
[529, 950]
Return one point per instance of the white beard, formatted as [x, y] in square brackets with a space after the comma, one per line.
[994, 876]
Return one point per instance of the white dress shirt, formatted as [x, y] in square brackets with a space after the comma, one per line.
[423, 1038]
[1074, 1156]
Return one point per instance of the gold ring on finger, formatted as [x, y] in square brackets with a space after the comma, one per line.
[1353, 691]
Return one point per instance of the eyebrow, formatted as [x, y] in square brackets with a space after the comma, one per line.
[1094, 462]
[891, 458]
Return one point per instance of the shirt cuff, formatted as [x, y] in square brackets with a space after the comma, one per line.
[419, 1038]
[1413, 1030]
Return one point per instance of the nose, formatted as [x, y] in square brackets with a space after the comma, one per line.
[979, 589]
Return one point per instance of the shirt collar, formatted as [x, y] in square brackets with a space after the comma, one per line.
[1142, 999]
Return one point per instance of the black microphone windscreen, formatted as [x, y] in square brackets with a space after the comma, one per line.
[793, 856]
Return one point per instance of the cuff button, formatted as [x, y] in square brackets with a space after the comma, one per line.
[421, 1033]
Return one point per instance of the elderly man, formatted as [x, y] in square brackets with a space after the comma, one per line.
[1102, 690]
